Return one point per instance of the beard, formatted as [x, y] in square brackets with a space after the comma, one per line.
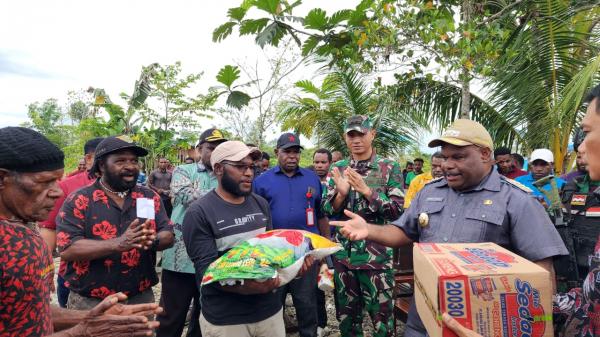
[117, 183]
[233, 187]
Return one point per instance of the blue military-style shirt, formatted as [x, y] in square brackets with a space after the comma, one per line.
[497, 210]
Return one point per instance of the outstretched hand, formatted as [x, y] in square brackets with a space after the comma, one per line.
[100, 322]
[354, 229]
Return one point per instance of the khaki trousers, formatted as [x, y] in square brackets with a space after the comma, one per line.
[270, 327]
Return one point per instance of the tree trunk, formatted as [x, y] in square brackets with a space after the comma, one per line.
[465, 106]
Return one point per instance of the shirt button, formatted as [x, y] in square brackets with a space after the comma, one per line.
[453, 215]
[483, 216]
[445, 239]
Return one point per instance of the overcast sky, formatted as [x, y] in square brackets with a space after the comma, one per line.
[51, 47]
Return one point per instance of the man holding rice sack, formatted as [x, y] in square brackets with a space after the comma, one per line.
[213, 225]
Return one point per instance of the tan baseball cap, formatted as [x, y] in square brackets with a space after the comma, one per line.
[464, 132]
[233, 150]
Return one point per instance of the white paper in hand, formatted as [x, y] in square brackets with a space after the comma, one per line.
[145, 208]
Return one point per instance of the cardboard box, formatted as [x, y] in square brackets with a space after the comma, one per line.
[485, 287]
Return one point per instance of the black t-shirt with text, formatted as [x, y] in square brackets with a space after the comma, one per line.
[211, 227]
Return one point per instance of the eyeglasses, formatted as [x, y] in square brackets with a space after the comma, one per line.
[241, 167]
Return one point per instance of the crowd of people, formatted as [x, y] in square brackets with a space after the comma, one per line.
[108, 226]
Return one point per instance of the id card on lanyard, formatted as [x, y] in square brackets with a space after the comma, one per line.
[310, 212]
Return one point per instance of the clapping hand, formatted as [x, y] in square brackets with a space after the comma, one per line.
[342, 185]
[357, 182]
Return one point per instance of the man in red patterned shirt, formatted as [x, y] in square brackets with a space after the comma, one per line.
[28, 190]
[48, 226]
[109, 232]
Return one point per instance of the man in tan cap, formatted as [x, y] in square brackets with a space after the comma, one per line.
[471, 203]
[214, 224]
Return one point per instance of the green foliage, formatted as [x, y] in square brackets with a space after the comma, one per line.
[47, 117]
[322, 113]
[227, 75]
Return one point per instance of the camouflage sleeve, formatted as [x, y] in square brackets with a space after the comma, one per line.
[388, 201]
[182, 187]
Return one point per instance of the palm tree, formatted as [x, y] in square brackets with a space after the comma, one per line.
[534, 96]
[322, 111]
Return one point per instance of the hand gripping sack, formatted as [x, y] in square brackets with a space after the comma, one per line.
[277, 253]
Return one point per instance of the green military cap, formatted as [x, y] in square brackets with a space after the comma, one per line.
[360, 123]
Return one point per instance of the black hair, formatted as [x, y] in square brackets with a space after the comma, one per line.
[325, 151]
[418, 159]
[437, 154]
[593, 94]
[90, 145]
[408, 163]
[501, 151]
[266, 156]
[519, 159]
[251, 145]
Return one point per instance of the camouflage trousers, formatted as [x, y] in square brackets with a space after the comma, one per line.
[371, 290]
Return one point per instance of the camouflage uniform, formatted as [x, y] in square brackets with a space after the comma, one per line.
[363, 272]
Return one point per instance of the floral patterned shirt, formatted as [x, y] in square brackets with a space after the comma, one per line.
[90, 214]
[26, 276]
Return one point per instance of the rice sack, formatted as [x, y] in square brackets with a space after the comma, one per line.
[277, 253]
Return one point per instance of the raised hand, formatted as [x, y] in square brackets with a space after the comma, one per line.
[357, 182]
[341, 183]
[135, 236]
[354, 229]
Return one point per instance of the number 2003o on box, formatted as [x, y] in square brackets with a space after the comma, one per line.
[485, 287]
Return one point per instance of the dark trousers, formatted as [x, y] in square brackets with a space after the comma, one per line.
[321, 310]
[304, 295]
[168, 206]
[178, 290]
[62, 292]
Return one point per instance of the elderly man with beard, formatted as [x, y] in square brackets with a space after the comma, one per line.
[214, 224]
[190, 182]
[472, 203]
[28, 190]
[108, 247]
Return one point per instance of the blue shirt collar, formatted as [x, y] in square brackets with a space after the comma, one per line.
[277, 170]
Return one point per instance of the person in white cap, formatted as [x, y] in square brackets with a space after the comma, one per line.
[213, 224]
[542, 166]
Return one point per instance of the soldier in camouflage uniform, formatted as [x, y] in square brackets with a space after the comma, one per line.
[189, 183]
[372, 187]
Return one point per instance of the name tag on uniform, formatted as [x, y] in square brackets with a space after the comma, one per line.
[310, 217]
[578, 199]
[435, 199]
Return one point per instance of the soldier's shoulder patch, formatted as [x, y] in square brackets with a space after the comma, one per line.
[518, 185]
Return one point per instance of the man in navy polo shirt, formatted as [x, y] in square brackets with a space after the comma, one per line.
[294, 196]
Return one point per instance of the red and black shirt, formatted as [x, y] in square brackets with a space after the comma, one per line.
[90, 214]
[26, 276]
